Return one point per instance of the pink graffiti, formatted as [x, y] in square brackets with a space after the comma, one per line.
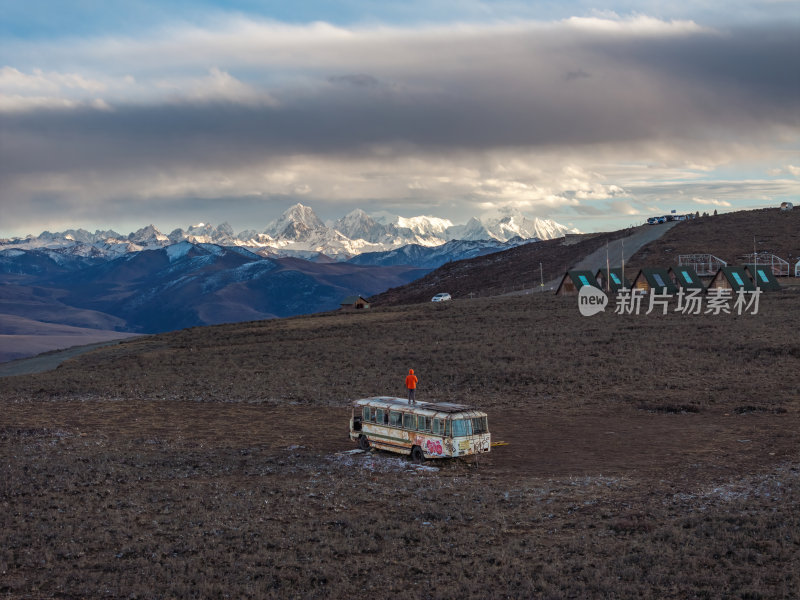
[434, 447]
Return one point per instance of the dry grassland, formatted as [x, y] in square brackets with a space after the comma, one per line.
[728, 236]
[649, 456]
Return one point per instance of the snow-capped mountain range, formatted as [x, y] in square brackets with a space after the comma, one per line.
[300, 232]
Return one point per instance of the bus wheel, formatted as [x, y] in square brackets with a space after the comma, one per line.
[363, 442]
[416, 455]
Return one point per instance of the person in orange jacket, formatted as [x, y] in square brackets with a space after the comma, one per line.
[411, 384]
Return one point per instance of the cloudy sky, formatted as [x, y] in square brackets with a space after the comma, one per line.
[120, 114]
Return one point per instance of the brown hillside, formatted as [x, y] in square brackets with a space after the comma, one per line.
[495, 274]
[728, 236]
[502, 351]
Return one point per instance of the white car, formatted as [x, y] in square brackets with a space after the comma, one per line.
[443, 297]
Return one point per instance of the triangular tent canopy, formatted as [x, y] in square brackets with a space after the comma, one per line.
[687, 278]
[763, 277]
[732, 278]
[655, 279]
[616, 282]
[573, 281]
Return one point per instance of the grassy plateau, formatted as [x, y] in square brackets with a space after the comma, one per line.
[648, 456]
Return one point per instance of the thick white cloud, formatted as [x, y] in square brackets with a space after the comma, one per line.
[37, 81]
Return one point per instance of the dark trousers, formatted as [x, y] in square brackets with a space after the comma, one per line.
[411, 395]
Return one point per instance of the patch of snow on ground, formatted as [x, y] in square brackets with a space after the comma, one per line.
[378, 463]
[177, 251]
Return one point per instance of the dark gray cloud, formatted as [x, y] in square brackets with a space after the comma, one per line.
[579, 74]
[358, 80]
[673, 88]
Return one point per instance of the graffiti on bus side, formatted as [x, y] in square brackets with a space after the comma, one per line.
[434, 447]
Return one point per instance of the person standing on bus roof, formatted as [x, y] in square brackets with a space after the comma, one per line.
[411, 384]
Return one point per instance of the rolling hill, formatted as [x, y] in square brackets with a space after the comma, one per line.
[728, 236]
[502, 272]
[182, 285]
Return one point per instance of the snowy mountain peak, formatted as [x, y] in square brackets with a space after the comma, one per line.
[358, 225]
[300, 232]
[204, 233]
[424, 225]
[149, 237]
[547, 229]
[296, 223]
[357, 213]
[472, 230]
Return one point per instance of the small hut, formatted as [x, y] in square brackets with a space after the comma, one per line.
[573, 281]
[354, 303]
[732, 278]
[615, 282]
[785, 206]
[654, 279]
[686, 278]
[763, 277]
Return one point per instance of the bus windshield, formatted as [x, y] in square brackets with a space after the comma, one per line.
[462, 427]
[465, 427]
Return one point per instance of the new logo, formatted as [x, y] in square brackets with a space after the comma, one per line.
[591, 300]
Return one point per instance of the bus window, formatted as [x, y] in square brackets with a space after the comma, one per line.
[395, 419]
[408, 421]
[462, 427]
[379, 414]
[447, 427]
[422, 423]
[365, 413]
[437, 426]
[479, 425]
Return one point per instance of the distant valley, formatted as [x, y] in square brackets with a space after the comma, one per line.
[182, 285]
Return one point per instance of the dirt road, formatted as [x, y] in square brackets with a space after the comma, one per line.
[617, 249]
[626, 247]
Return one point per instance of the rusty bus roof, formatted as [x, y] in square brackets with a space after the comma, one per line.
[400, 403]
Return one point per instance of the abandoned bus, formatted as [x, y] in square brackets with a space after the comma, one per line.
[422, 430]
